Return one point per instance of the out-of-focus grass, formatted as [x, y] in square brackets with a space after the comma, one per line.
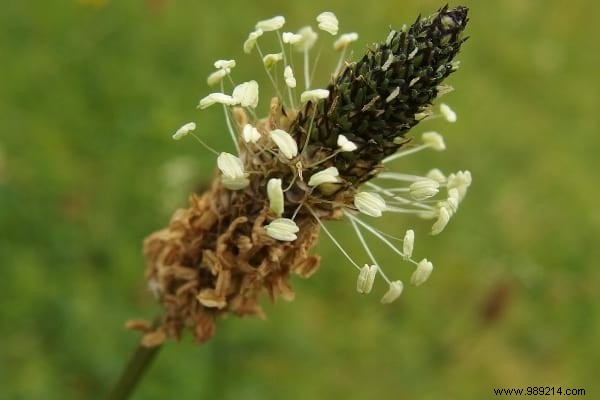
[90, 92]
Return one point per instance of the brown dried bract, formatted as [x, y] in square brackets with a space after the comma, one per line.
[215, 258]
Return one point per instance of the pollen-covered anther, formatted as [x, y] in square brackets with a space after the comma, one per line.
[314, 95]
[434, 140]
[275, 195]
[246, 94]
[366, 278]
[270, 60]
[309, 37]
[408, 244]
[250, 134]
[424, 189]
[345, 145]
[461, 181]
[232, 168]
[184, 130]
[251, 41]
[447, 113]
[328, 175]
[291, 38]
[370, 204]
[224, 64]
[421, 273]
[288, 76]
[283, 229]
[452, 202]
[285, 142]
[328, 22]
[344, 41]
[271, 24]
[220, 98]
[217, 76]
[394, 291]
[442, 220]
[436, 175]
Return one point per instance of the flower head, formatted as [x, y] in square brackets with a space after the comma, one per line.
[317, 157]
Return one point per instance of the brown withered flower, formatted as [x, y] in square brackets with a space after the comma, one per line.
[324, 155]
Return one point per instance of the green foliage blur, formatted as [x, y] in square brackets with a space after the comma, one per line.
[90, 92]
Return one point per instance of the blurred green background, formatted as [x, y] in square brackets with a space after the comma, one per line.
[90, 92]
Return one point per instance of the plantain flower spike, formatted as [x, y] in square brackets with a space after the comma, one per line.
[324, 152]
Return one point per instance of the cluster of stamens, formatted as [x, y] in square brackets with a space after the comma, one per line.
[295, 179]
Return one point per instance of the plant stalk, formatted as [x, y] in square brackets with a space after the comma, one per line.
[133, 372]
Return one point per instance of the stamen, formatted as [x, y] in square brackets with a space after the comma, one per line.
[275, 195]
[401, 154]
[230, 126]
[422, 273]
[309, 131]
[283, 229]
[408, 244]
[393, 292]
[399, 199]
[397, 176]
[442, 221]
[399, 210]
[332, 238]
[260, 54]
[285, 63]
[447, 112]
[204, 144]
[184, 130]
[366, 278]
[367, 249]
[374, 232]
[306, 71]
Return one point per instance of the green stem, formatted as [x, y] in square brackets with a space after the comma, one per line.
[133, 372]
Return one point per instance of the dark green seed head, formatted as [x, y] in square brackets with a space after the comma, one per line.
[375, 101]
